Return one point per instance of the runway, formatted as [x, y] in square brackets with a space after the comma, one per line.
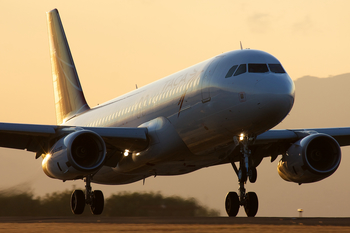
[175, 224]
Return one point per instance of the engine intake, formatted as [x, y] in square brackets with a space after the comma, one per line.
[76, 155]
[311, 159]
[86, 152]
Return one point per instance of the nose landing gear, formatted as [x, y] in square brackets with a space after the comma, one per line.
[93, 198]
[248, 200]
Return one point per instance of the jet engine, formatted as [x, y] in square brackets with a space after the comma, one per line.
[74, 156]
[311, 159]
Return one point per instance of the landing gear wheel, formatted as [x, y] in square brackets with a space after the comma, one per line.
[252, 175]
[232, 204]
[251, 205]
[77, 202]
[97, 204]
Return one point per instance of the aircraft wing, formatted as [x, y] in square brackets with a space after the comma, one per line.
[276, 142]
[342, 135]
[36, 138]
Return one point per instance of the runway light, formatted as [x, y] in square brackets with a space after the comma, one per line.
[241, 137]
[126, 153]
[300, 213]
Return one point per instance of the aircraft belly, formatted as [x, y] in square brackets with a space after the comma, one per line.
[111, 176]
[166, 155]
[165, 145]
[107, 175]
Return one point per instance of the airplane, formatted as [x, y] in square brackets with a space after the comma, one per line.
[219, 111]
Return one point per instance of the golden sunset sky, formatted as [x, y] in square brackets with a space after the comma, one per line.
[117, 44]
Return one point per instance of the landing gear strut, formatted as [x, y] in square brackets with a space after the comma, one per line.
[93, 198]
[248, 200]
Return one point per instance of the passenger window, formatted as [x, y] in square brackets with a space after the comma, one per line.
[241, 69]
[231, 71]
[277, 68]
[257, 68]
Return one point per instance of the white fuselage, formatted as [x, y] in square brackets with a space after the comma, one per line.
[204, 108]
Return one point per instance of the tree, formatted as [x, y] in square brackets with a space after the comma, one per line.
[20, 203]
[154, 204]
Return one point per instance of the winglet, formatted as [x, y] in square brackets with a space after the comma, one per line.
[69, 96]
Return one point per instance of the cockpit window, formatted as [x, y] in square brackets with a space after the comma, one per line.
[231, 71]
[257, 68]
[277, 68]
[241, 69]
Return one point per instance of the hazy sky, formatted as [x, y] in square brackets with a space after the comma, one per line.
[117, 44]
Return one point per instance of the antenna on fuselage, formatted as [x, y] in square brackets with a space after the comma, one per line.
[241, 45]
[136, 86]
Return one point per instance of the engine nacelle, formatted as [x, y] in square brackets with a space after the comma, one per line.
[74, 156]
[311, 159]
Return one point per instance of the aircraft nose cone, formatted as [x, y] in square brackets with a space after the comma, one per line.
[275, 98]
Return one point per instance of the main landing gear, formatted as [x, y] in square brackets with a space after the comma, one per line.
[248, 200]
[93, 198]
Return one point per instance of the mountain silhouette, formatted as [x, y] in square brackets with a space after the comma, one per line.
[320, 103]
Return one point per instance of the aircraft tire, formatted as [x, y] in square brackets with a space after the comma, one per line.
[252, 204]
[97, 204]
[232, 204]
[252, 175]
[77, 202]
